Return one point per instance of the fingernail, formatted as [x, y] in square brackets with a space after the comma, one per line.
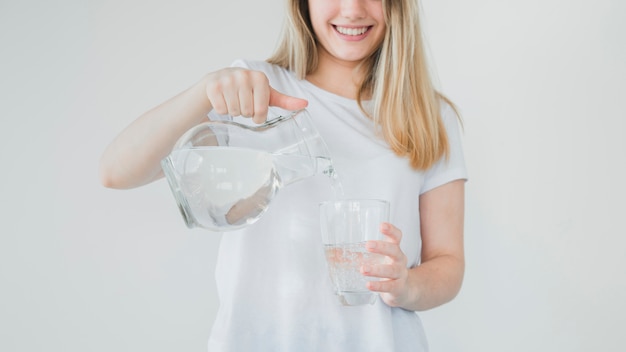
[371, 244]
[366, 269]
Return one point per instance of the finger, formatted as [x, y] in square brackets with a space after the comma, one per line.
[388, 249]
[385, 271]
[287, 102]
[389, 286]
[231, 97]
[217, 100]
[219, 105]
[261, 99]
[391, 291]
[246, 103]
[391, 233]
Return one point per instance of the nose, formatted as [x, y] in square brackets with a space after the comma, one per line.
[353, 9]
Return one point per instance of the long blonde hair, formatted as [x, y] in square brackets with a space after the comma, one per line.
[406, 105]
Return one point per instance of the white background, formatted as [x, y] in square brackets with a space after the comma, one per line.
[540, 84]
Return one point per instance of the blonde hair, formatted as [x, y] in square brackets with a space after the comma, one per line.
[406, 105]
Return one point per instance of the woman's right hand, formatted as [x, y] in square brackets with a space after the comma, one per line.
[236, 91]
[133, 158]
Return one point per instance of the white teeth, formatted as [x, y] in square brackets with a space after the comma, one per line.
[351, 31]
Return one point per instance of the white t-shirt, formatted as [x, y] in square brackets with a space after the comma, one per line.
[273, 285]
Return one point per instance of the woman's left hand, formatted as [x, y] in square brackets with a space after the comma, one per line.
[394, 284]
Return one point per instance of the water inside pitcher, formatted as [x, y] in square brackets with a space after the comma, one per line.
[224, 174]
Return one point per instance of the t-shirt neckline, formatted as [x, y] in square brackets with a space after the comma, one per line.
[332, 96]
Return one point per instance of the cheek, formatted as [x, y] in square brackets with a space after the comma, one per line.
[318, 20]
[314, 17]
[381, 36]
[376, 12]
[321, 12]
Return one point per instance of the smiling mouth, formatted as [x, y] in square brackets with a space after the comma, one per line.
[352, 31]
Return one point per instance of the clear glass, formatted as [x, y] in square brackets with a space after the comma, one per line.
[224, 174]
[346, 226]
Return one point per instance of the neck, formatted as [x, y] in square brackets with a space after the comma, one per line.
[338, 77]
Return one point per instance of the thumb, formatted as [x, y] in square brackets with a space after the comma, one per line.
[287, 102]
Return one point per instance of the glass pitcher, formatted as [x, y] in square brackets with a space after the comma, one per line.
[224, 174]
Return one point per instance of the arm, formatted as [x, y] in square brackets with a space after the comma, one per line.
[133, 158]
[438, 278]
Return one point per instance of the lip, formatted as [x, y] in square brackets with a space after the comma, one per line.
[352, 37]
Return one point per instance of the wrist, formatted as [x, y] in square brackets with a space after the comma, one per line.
[413, 290]
[199, 93]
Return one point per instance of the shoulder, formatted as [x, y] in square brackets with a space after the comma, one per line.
[451, 118]
[453, 167]
[251, 64]
[449, 112]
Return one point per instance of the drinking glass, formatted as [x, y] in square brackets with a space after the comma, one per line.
[346, 226]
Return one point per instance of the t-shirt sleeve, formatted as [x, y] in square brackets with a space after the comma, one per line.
[453, 168]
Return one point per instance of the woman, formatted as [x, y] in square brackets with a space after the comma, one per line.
[359, 68]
